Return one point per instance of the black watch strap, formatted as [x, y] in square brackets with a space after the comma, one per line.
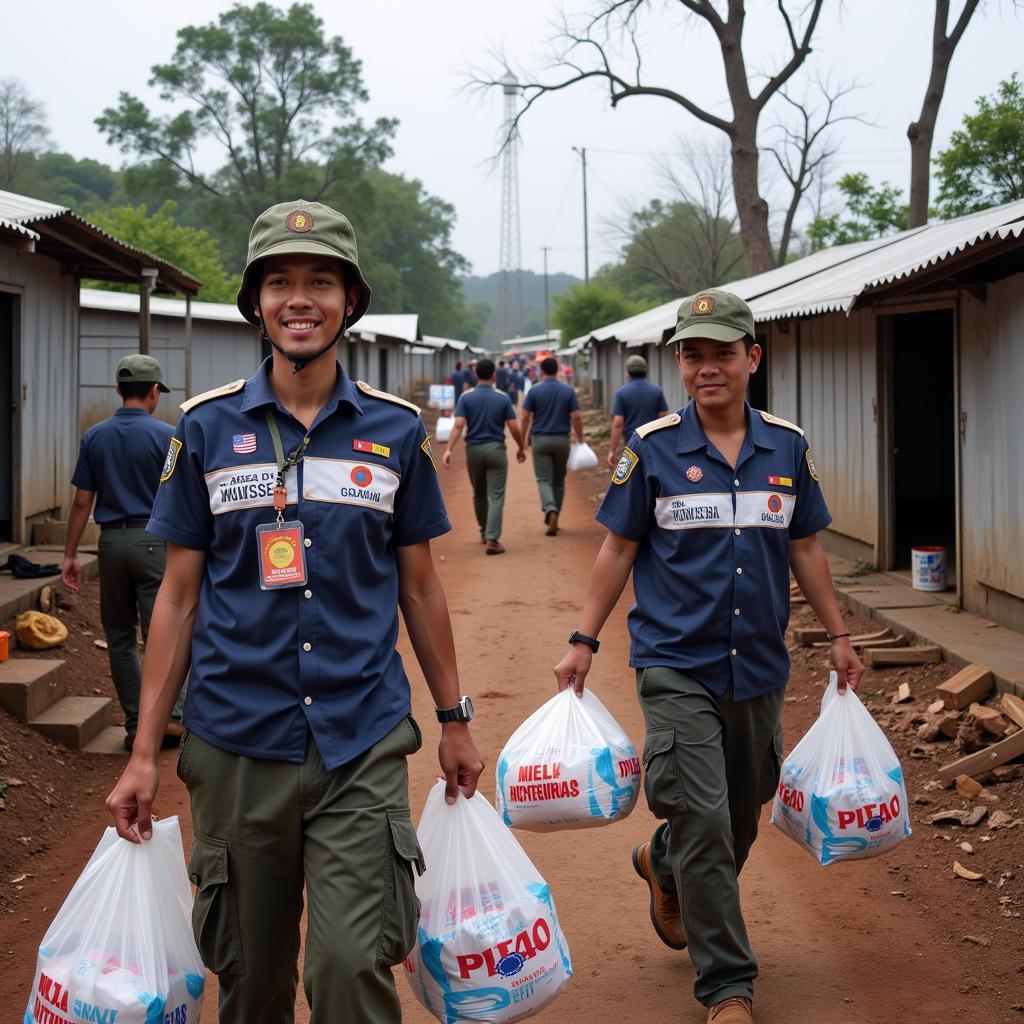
[576, 637]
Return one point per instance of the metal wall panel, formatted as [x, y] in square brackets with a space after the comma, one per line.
[783, 389]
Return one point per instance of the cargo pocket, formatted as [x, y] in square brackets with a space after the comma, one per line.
[214, 914]
[771, 770]
[663, 784]
[180, 764]
[401, 912]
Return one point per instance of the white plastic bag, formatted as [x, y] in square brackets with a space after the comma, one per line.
[121, 947]
[443, 428]
[582, 456]
[569, 765]
[489, 946]
[841, 793]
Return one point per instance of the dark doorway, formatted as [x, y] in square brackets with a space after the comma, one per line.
[8, 404]
[757, 388]
[923, 435]
[382, 369]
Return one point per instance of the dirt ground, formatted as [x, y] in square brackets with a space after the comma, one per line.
[897, 938]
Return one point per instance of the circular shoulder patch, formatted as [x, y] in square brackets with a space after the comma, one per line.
[300, 221]
[810, 466]
[702, 305]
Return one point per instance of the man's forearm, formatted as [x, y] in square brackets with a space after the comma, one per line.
[77, 519]
[616, 438]
[577, 426]
[425, 612]
[811, 569]
[608, 578]
[517, 436]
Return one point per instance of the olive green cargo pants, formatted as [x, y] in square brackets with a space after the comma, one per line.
[709, 764]
[263, 828]
[550, 455]
[488, 472]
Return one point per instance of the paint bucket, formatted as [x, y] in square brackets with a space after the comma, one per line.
[5, 644]
[928, 568]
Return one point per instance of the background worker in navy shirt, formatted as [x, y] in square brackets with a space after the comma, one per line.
[637, 402]
[484, 413]
[710, 508]
[118, 467]
[299, 509]
[549, 410]
[458, 379]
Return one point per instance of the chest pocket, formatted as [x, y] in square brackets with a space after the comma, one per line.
[347, 482]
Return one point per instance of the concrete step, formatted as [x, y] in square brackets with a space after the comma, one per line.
[108, 741]
[54, 532]
[28, 686]
[74, 721]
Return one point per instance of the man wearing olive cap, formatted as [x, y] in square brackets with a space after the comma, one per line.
[637, 402]
[299, 507]
[710, 508]
[118, 468]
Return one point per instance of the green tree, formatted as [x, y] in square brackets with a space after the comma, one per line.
[192, 250]
[81, 184]
[870, 213]
[22, 132]
[586, 307]
[983, 165]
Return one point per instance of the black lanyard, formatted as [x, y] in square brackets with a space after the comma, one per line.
[283, 463]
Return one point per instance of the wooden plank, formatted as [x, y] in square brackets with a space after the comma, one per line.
[873, 640]
[1013, 707]
[968, 685]
[809, 636]
[985, 760]
[875, 658]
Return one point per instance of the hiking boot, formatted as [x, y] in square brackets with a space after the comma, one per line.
[552, 520]
[734, 1010]
[665, 914]
[495, 547]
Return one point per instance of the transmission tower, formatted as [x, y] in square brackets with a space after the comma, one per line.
[510, 301]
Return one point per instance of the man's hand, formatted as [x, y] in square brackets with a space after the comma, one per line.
[846, 663]
[131, 801]
[446, 459]
[460, 760]
[521, 455]
[573, 668]
[71, 574]
[612, 460]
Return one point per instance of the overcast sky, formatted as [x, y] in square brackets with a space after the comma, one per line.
[76, 57]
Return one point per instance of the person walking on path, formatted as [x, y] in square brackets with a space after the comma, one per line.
[637, 402]
[119, 466]
[550, 409]
[484, 413]
[299, 507]
[458, 379]
[710, 508]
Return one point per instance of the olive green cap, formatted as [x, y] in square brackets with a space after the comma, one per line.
[715, 314]
[140, 369]
[303, 229]
[636, 364]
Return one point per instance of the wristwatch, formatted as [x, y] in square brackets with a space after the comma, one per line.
[462, 712]
[576, 637]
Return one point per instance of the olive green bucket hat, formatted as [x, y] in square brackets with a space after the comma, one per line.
[305, 229]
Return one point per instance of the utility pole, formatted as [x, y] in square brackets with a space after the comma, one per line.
[547, 326]
[510, 300]
[586, 230]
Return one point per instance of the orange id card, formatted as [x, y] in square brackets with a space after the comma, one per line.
[282, 555]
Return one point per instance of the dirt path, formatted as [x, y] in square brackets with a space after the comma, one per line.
[835, 946]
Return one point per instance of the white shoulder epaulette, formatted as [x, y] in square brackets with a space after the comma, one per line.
[769, 418]
[224, 389]
[666, 421]
[373, 392]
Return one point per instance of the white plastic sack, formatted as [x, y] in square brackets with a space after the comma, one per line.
[443, 428]
[841, 793]
[569, 765]
[582, 456]
[489, 946]
[120, 949]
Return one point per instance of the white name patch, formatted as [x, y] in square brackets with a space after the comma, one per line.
[240, 487]
[765, 508]
[346, 482]
[693, 511]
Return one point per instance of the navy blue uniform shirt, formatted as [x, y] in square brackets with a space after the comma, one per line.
[268, 666]
[486, 412]
[551, 403]
[458, 379]
[638, 402]
[501, 378]
[120, 459]
[711, 575]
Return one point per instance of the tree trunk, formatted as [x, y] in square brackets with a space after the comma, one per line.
[751, 208]
[920, 134]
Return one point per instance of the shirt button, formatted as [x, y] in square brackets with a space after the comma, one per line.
[739, 572]
[735, 611]
[307, 594]
[309, 700]
[308, 543]
[736, 483]
[307, 647]
[732, 652]
[737, 532]
[305, 440]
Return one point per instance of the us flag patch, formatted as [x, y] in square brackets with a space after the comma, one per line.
[243, 444]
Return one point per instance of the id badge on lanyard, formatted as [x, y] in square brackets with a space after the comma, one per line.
[282, 549]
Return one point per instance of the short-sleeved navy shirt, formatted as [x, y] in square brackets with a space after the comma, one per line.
[268, 666]
[711, 575]
[458, 379]
[638, 402]
[501, 378]
[121, 459]
[551, 403]
[486, 412]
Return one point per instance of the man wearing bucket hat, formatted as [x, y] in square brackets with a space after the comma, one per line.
[118, 468]
[710, 508]
[299, 508]
[637, 402]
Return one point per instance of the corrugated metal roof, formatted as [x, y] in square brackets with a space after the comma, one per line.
[404, 326]
[554, 335]
[25, 209]
[13, 225]
[128, 302]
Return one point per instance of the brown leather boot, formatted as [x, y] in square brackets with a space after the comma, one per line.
[665, 914]
[552, 520]
[734, 1010]
[495, 547]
